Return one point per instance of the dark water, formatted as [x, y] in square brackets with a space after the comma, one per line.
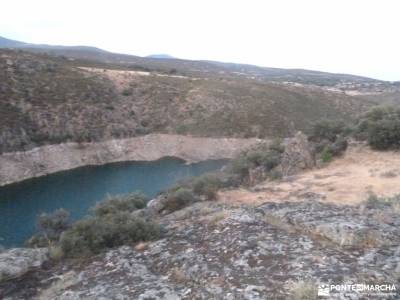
[79, 189]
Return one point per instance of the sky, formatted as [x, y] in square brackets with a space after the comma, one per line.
[342, 36]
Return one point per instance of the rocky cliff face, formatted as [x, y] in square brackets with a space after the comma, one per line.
[17, 166]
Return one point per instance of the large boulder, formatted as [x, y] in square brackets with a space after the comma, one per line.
[297, 155]
[157, 205]
[18, 261]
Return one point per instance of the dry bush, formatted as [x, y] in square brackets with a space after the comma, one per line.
[303, 290]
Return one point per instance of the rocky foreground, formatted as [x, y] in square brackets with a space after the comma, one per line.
[212, 250]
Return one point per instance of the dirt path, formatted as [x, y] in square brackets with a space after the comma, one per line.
[122, 78]
[346, 180]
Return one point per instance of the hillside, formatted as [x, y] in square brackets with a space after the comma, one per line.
[48, 100]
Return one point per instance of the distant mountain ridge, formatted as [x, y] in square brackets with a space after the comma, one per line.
[162, 56]
[167, 63]
[8, 43]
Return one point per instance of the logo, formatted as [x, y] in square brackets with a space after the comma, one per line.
[326, 290]
[323, 290]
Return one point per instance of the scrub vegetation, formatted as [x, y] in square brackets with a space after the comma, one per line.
[380, 126]
[110, 224]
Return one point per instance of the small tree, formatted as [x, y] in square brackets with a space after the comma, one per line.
[207, 185]
[179, 198]
[50, 227]
[384, 134]
[327, 130]
[380, 127]
[93, 234]
[121, 203]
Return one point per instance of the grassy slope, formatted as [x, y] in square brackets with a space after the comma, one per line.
[47, 99]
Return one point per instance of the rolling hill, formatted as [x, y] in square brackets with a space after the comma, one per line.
[47, 99]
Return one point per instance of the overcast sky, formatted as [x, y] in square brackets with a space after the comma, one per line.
[346, 36]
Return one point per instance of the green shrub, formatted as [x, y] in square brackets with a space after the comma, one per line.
[373, 201]
[329, 138]
[270, 160]
[179, 198]
[379, 113]
[94, 233]
[321, 146]
[328, 130]
[50, 226]
[240, 166]
[207, 185]
[204, 187]
[275, 174]
[338, 147]
[127, 92]
[326, 155]
[110, 224]
[267, 157]
[380, 127]
[227, 179]
[181, 129]
[122, 203]
[385, 134]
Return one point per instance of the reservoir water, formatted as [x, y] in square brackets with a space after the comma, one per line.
[79, 189]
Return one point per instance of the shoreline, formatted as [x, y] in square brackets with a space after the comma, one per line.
[44, 160]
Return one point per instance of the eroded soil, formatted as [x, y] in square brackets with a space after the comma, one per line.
[346, 180]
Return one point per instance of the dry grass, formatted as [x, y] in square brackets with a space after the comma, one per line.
[303, 290]
[215, 218]
[141, 246]
[63, 283]
[396, 208]
[56, 253]
[346, 180]
[278, 223]
[178, 276]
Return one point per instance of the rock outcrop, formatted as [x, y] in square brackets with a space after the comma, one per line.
[297, 156]
[17, 262]
[214, 251]
[44, 160]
